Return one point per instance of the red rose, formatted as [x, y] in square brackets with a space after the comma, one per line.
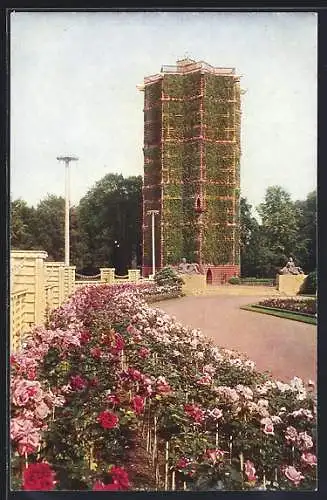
[95, 352]
[99, 486]
[195, 412]
[108, 420]
[144, 352]
[138, 404]
[113, 398]
[134, 374]
[120, 477]
[182, 463]
[118, 344]
[39, 477]
[85, 337]
[77, 382]
[94, 382]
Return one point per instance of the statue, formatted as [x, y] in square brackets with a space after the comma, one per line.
[134, 261]
[291, 268]
[185, 268]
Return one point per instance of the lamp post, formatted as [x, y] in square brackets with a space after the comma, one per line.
[153, 213]
[67, 159]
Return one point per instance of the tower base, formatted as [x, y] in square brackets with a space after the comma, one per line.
[215, 275]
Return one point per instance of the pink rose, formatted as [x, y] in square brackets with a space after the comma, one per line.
[95, 352]
[309, 458]
[205, 380]
[293, 475]
[134, 374]
[42, 411]
[216, 414]
[304, 441]
[182, 463]
[269, 429]
[268, 426]
[302, 412]
[162, 386]
[291, 434]
[250, 471]
[144, 352]
[24, 432]
[24, 390]
[215, 455]
[209, 369]
[138, 404]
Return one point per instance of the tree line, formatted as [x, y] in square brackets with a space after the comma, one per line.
[106, 228]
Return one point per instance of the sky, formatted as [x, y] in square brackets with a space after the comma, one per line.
[73, 91]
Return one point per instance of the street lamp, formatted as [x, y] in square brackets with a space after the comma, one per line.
[67, 159]
[153, 213]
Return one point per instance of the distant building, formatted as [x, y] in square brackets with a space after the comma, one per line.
[192, 167]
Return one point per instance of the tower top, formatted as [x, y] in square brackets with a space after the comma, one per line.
[184, 62]
[186, 66]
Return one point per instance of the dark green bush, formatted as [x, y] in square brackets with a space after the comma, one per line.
[309, 286]
[168, 276]
[235, 280]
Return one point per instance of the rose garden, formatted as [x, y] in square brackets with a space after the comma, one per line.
[114, 394]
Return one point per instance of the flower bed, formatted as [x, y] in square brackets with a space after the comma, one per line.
[115, 395]
[303, 306]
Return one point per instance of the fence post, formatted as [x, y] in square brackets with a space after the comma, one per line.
[134, 274]
[56, 279]
[69, 277]
[28, 272]
[107, 274]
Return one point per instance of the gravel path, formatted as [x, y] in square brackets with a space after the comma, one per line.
[284, 347]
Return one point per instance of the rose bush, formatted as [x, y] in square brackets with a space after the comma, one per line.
[113, 394]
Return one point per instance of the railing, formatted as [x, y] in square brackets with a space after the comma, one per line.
[189, 68]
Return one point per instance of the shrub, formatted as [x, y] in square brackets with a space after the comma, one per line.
[168, 276]
[309, 286]
[235, 280]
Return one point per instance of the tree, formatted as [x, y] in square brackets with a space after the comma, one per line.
[255, 254]
[307, 233]
[111, 212]
[279, 225]
[22, 221]
[49, 231]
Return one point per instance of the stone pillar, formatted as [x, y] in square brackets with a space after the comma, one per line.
[290, 284]
[107, 275]
[134, 274]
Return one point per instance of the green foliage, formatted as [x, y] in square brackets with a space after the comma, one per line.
[42, 228]
[168, 276]
[287, 229]
[309, 286]
[279, 222]
[234, 280]
[306, 211]
[22, 222]
[109, 212]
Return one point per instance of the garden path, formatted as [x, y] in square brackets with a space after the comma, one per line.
[285, 348]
